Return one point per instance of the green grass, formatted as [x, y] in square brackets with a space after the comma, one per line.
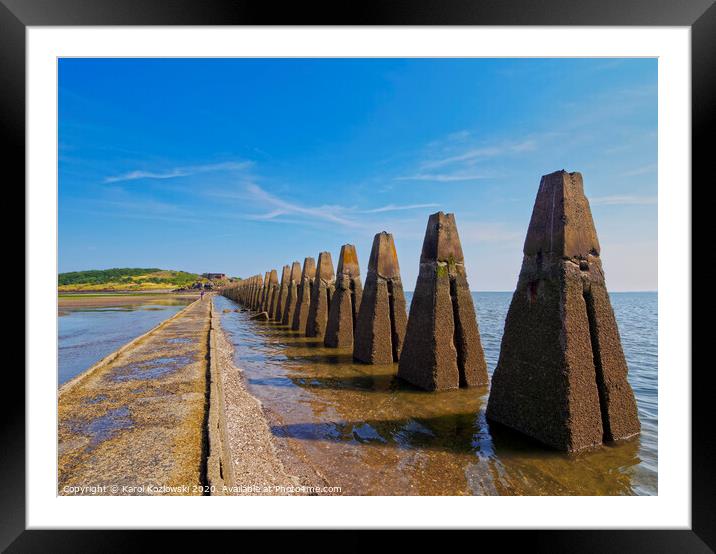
[128, 278]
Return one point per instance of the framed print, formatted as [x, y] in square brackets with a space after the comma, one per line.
[426, 267]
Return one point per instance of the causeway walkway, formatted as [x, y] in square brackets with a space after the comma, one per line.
[136, 422]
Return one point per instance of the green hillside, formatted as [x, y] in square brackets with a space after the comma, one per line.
[127, 278]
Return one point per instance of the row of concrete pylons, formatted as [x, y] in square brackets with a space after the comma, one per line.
[561, 373]
[438, 347]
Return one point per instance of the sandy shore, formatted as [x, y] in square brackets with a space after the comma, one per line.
[103, 300]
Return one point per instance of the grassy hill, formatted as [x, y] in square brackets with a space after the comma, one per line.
[128, 278]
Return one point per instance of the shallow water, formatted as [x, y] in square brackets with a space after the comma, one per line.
[369, 433]
[89, 333]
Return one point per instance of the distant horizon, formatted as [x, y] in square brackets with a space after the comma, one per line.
[249, 164]
[239, 277]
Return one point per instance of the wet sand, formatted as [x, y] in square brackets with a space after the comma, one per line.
[93, 300]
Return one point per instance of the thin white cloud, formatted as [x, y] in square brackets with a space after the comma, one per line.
[640, 170]
[179, 171]
[622, 200]
[283, 207]
[443, 177]
[394, 208]
[133, 175]
[455, 158]
[482, 152]
[268, 216]
[280, 210]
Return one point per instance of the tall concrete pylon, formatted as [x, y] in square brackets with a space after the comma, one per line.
[266, 296]
[282, 293]
[262, 295]
[292, 294]
[258, 284]
[442, 348]
[303, 303]
[380, 325]
[346, 300]
[272, 299]
[321, 297]
[561, 377]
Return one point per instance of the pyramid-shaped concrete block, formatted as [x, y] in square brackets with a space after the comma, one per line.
[282, 293]
[303, 303]
[382, 317]
[346, 300]
[442, 347]
[264, 293]
[561, 376]
[292, 296]
[272, 294]
[256, 292]
[321, 297]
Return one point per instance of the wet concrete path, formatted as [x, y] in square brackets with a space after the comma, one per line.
[137, 424]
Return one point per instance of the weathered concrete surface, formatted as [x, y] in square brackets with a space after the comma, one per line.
[346, 300]
[442, 348]
[381, 321]
[561, 376]
[292, 296]
[256, 296]
[321, 297]
[272, 298]
[246, 292]
[303, 303]
[139, 420]
[219, 468]
[282, 293]
[263, 300]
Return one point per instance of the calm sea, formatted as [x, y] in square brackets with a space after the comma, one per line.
[368, 432]
[88, 334]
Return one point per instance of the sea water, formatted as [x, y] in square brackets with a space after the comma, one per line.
[369, 433]
[88, 334]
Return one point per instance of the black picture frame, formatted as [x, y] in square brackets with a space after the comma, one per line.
[699, 15]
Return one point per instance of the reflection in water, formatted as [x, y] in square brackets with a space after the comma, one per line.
[371, 433]
[89, 333]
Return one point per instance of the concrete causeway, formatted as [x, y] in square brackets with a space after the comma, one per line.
[136, 422]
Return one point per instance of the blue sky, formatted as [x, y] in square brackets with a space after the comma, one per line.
[242, 165]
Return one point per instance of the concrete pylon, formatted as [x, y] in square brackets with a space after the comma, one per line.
[292, 296]
[561, 376]
[321, 296]
[282, 293]
[442, 348]
[346, 300]
[249, 291]
[303, 303]
[264, 293]
[380, 325]
[272, 298]
[256, 300]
